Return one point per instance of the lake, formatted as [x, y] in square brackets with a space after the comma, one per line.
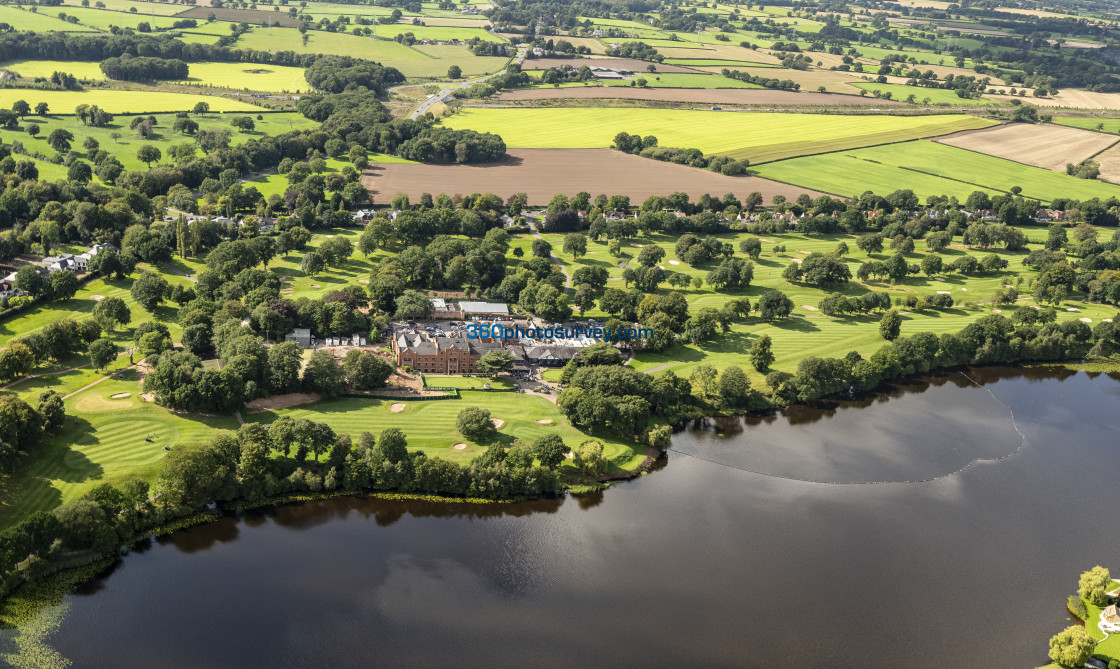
[925, 526]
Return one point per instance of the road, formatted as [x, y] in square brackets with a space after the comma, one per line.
[446, 87]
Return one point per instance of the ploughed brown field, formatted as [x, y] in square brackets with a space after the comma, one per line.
[542, 173]
[738, 96]
[1049, 146]
[631, 64]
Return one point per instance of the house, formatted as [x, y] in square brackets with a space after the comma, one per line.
[484, 309]
[363, 215]
[507, 221]
[301, 336]
[8, 287]
[63, 261]
[551, 356]
[441, 355]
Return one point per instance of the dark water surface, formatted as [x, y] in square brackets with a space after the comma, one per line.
[700, 563]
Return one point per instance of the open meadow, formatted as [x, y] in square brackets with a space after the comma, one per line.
[759, 137]
[122, 102]
[247, 76]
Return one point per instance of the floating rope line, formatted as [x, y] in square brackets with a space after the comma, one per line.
[970, 463]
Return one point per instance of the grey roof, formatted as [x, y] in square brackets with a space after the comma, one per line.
[484, 307]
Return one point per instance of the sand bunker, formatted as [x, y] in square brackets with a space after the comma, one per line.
[363, 281]
[97, 298]
[315, 285]
[1072, 309]
[545, 421]
[944, 292]
[148, 397]
[120, 396]
[805, 252]
[637, 246]
[498, 423]
[398, 407]
[1085, 319]
[674, 262]
[1106, 320]
[997, 311]
[569, 455]
[808, 307]
[460, 446]
[796, 260]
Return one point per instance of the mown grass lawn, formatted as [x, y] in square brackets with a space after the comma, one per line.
[430, 425]
[936, 96]
[1109, 125]
[928, 168]
[467, 382]
[756, 136]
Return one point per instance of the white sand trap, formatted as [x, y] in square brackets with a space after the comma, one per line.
[120, 396]
[363, 280]
[97, 298]
[315, 285]
[329, 236]
[964, 289]
[637, 246]
[805, 252]
[674, 262]
[148, 397]
[569, 455]
[614, 278]
[808, 307]
[1106, 320]
[545, 421]
[1072, 309]
[944, 292]
[997, 311]
[661, 267]
[1085, 319]
[768, 241]
[937, 278]
[796, 260]
[398, 407]
[498, 422]
[460, 446]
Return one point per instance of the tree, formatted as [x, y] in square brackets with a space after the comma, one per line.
[79, 172]
[149, 290]
[33, 129]
[734, 387]
[872, 242]
[111, 312]
[21, 107]
[153, 343]
[588, 456]
[931, 264]
[52, 410]
[495, 362]
[1094, 586]
[541, 248]
[322, 375]
[773, 305]
[413, 304]
[761, 355]
[63, 285]
[550, 450]
[454, 72]
[312, 264]
[890, 325]
[29, 280]
[16, 360]
[201, 108]
[102, 352]
[650, 255]
[751, 247]
[60, 139]
[365, 371]
[42, 109]
[1071, 647]
[149, 153]
[474, 423]
[575, 244]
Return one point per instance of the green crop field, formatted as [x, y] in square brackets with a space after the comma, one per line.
[756, 136]
[122, 102]
[43, 20]
[936, 96]
[151, 8]
[336, 44]
[249, 76]
[430, 425]
[928, 168]
[434, 33]
[124, 146]
[104, 19]
[714, 62]
[1110, 125]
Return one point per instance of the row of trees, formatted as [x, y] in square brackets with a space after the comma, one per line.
[144, 68]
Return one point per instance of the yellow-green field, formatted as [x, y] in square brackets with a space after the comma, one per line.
[121, 102]
[249, 76]
[759, 137]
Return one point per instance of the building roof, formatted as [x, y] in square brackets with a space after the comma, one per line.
[483, 308]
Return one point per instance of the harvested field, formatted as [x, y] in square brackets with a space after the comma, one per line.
[638, 66]
[541, 173]
[1049, 146]
[1110, 164]
[250, 16]
[1079, 99]
[736, 96]
[281, 401]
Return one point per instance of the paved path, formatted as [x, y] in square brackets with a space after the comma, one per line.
[175, 270]
[658, 368]
[107, 376]
[35, 376]
[237, 415]
[446, 88]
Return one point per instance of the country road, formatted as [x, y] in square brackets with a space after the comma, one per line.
[446, 88]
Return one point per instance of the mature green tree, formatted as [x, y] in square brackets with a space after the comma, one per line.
[890, 325]
[1071, 647]
[751, 247]
[734, 387]
[588, 456]
[931, 264]
[575, 244]
[322, 375]
[413, 304]
[550, 450]
[474, 423]
[1094, 585]
[21, 108]
[773, 305]
[454, 72]
[33, 129]
[16, 360]
[149, 290]
[149, 153]
[84, 525]
[111, 312]
[312, 264]
[871, 242]
[393, 445]
[63, 285]
[761, 355]
[366, 371]
[541, 248]
[60, 139]
[102, 352]
[52, 410]
[495, 362]
[153, 343]
[29, 280]
[79, 172]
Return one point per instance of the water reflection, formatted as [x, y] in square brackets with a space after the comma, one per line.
[697, 564]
